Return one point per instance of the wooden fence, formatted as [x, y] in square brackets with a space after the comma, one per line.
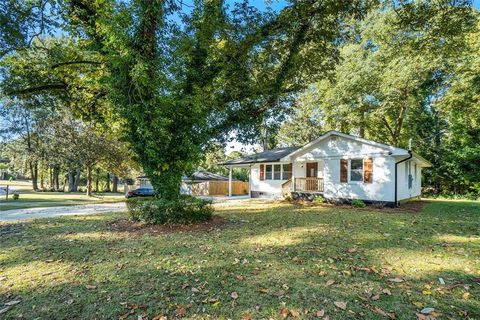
[219, 188]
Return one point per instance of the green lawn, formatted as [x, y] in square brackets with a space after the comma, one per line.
[270, 261]
[30, 199]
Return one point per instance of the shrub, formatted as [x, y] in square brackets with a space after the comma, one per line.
[186, 209]
[15, 196]
[319, 200]
[379, 204]
[357, 203]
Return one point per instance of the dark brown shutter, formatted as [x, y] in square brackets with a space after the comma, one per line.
[343, 170]
[290, 168]
[262, 172]
[368, 170]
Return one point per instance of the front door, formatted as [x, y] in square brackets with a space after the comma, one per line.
[312, 174]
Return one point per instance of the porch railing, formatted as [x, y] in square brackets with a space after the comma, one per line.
[308, 184]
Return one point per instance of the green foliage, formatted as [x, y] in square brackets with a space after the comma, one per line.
[319, 200]
[357, 203]
[186, 209]
[15, 196]
[394, 83]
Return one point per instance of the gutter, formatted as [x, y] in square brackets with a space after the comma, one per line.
[397, 163]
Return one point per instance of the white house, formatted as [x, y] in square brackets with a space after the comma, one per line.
[338, 167]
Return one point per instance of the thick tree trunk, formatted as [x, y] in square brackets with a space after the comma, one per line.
[97, 175]
[50, 175]
[115, 184]
[107, 189]
[34, 174]
[56, 178]
[42, 185]
[76, 180]
[89, 181]
[167, 184]
[70, 181]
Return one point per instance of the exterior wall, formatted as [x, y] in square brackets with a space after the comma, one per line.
[402, 181]
[266, 187]
[328, 154]
[381, 189]
[331, 150]
[338, 147]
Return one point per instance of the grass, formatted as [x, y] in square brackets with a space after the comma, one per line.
[32, 199]
[271, 259]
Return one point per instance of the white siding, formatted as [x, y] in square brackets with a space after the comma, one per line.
[338, 147]
[328, 153]
[402, 183]
[270, 186]
[381, 189]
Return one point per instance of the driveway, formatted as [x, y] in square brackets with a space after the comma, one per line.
[49, 212]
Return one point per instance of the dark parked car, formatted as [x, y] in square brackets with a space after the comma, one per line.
[140, 192]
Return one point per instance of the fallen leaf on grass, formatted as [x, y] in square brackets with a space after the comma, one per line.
[90, 287]
[340, 304]
[427, 292]
[12, 303]
[427, 310]
[263, 290]
[284, 312]
[387, 292]
[247, 317]
[375, 297]
[320, 313]
[395, 280]
[295, 313]
[329, 283]
[466, 295]
[384, 313]
[4, 310]
[234, 295]
[180, 311]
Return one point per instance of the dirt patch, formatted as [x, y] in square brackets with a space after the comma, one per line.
[413, 206]
[140, 228]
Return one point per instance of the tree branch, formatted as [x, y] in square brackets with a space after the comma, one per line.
[67, 63]
[49, 86]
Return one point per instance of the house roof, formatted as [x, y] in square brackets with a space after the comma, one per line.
[203, 175]
[285, 154]
[199, 175]
[273, 155]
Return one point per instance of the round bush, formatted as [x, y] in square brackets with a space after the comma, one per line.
[15, 196]
[186, 209]
[357, 203]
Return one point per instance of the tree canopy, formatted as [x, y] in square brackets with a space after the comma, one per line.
[174, 78]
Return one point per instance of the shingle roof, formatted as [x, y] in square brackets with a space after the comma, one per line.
[202, 175]
[199, 175]
[273, 155]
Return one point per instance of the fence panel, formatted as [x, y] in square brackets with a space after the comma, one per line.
[220, 188]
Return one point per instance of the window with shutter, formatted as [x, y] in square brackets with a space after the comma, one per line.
[368, 170]
[262, 172]
[343, 170]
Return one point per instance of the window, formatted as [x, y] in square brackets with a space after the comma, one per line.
[287, 171]
[268, 172]
[277, 172]
[356, 170]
